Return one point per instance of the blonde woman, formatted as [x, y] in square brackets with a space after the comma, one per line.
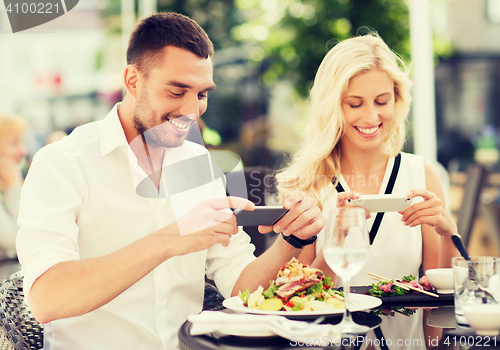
[359, 105]
[11, 153]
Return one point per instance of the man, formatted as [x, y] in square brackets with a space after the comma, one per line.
[112, 261]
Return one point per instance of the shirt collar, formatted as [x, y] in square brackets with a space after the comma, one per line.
[112, 135]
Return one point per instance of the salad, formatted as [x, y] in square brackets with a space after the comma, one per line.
[388, 288]
[297, 287]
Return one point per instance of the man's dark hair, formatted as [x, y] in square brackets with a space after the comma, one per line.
[155, 32]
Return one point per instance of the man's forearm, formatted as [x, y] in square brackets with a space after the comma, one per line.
[73, 288]
[265, 267]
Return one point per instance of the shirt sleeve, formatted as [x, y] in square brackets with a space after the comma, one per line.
[225, 264]
[51, 199]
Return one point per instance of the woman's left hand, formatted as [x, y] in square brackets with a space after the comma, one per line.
[431, 212]
[304, 220]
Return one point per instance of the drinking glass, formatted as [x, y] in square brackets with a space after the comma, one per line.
[476, 282]
[346, 252]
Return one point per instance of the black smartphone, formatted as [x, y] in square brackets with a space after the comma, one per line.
[262, 215]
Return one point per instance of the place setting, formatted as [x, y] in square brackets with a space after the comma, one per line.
[435, 288]
[301, 302]
[311, 312]
[302, 305]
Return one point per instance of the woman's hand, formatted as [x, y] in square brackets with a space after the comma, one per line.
[10, 174]
[343, 200]
[431, 212]
[304, 220]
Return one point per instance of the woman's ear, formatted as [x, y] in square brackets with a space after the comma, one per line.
[130, 79]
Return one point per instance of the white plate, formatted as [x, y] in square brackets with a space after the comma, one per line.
[359, 302]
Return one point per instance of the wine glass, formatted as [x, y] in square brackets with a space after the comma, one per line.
[346, 252]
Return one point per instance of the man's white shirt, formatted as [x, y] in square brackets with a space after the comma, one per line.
[80, 200]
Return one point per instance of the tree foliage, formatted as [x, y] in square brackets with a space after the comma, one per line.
[275, 40]
[307, 29]
[289, 38]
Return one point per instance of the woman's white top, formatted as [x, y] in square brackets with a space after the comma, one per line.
[397, 249]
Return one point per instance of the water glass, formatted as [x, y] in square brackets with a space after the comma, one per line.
[346, 251]
[476, 282]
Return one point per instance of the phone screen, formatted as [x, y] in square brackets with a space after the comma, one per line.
[266, 216]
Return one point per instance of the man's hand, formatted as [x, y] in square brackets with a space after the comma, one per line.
[431, 212]
[208, 223]
[304, 220]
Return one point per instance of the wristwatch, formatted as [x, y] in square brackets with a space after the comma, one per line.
[297, 242]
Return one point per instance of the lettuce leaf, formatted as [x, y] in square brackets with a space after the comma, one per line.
[271, 291]
[244, 296]
[376, 291]
[317, 288]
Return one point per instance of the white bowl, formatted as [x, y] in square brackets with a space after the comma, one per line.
[484, 318]
[441, 279]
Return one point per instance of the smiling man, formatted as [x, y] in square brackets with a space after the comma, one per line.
[107, 267]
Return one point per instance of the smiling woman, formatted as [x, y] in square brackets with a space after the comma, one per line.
[368, 109]
[353, 143]
[360, 97]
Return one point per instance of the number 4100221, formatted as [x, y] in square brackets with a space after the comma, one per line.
[470, 340]
[33, 7]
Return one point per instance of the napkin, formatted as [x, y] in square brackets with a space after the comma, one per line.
[213, 321]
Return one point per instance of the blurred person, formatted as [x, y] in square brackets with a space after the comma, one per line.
[12, 152]
[106, 244]
[360, 100]
[54, 136]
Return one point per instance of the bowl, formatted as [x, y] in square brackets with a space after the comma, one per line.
[484, 318]
[441, 279]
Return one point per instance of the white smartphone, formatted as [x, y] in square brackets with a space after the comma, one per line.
[262, 215]
[383, 203]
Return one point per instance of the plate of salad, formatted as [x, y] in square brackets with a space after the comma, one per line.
[391, 293]
[298, 290]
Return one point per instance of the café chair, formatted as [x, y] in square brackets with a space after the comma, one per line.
[18, 328]
[477, 176]
[20, 331]
[213, 299]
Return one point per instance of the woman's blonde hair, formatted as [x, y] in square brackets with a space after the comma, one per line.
[10, 125]
[317, 161]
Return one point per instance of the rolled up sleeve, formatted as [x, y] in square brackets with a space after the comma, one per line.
[51, 199]
[224, 264]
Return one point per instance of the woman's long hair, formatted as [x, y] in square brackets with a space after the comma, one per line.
[317, 161]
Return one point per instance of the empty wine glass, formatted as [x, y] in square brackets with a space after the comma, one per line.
[346, 252]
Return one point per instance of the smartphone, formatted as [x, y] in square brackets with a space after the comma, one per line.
[383, 203]
[262, 215]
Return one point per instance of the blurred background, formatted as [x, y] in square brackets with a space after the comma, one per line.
[68, 72]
